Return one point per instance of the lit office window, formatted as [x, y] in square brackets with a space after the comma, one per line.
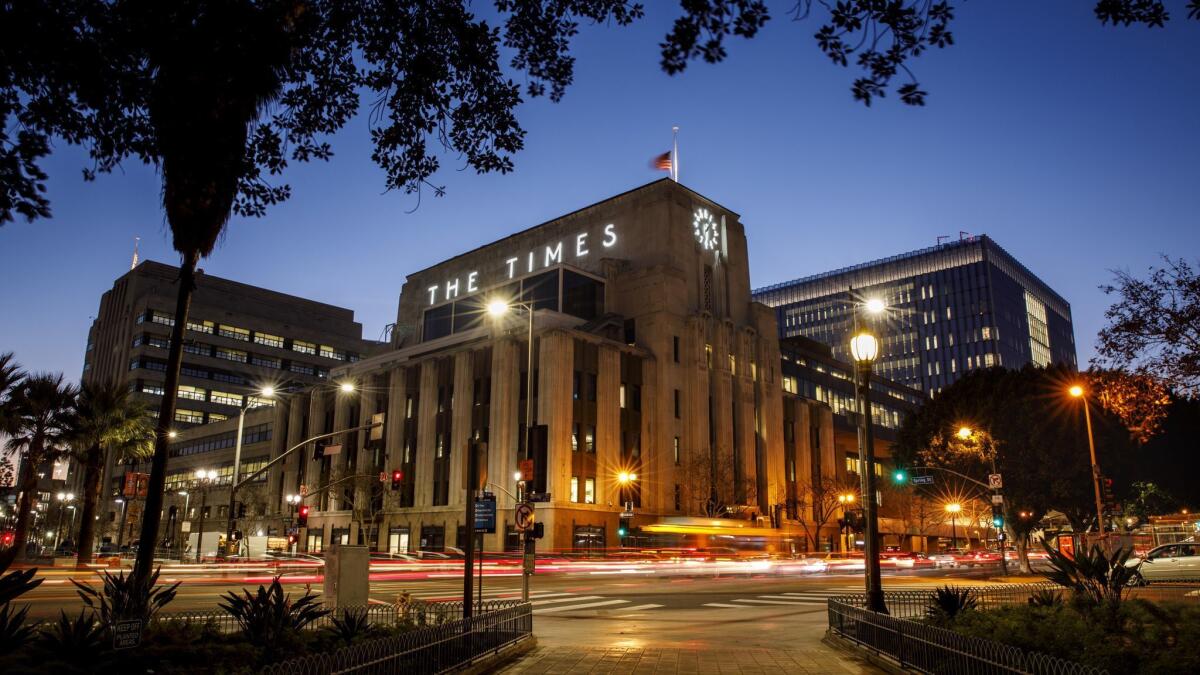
[162, 318]
[191, 393]
[216, 417]
[226, 398]
[332, 353]
[268, 340]
[231, 354]
[575, 489]
[234, 332]
[304, 347]
[153, 389]
[589, 491]
[189, 416]
[202, 326]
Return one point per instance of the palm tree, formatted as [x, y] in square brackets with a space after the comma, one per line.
[106, 420]
[10, 375]
[202, 111]
[39, 410]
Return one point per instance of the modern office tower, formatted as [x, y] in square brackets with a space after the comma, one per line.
[951, 308]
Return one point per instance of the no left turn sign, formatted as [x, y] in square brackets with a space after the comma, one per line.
[523, 517]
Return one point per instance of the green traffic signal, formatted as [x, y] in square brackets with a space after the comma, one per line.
[621, 532]
[900, 476]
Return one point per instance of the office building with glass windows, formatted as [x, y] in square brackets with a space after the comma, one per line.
[951, 308]
[239, 338]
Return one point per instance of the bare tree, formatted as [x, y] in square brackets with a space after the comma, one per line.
[817, 503]
[362, 495]
[714, 489]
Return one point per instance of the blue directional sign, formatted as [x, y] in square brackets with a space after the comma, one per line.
[922, 480]
[485, 515]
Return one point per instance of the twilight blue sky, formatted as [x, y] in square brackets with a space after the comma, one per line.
[1074, 145]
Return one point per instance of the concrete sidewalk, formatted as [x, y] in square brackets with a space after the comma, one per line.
[817, 659]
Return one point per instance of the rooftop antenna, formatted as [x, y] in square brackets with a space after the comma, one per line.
[135, 252]
[963, 235]
[941, 237]
[675, 153]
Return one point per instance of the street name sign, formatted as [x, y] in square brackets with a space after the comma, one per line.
[998, 499]
[922, 480]
[540, 497]
[485, 515]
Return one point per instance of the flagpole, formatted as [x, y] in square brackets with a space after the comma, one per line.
[675, 154]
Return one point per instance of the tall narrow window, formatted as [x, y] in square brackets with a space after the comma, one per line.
[677, 404]
[676, 450]
[675, 347]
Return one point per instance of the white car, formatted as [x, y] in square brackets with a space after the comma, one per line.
[1170, 561]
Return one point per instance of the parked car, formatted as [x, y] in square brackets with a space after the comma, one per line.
[1170, 561]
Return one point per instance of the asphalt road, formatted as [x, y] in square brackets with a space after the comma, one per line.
[575, 596]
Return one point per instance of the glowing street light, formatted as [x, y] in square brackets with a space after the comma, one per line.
[1077, 391]
[346, 387]
[864, 347]
[875, 305]
[964, 433]
[953, 508]
[497, 308]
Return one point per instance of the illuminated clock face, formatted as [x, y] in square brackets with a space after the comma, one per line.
[705, 227]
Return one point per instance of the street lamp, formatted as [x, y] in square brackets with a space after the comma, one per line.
[953, 508]
[1077, 391]
[846, 499]
[964, 433]
[62, 498]
[864, 347]
[204, 480]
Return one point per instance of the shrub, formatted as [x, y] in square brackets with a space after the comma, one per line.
[78, 641]
[353, 624]
[124, 598]
[1093, 574]
[948, 603]
[269, 618]
[1046, 598]
[13, 631]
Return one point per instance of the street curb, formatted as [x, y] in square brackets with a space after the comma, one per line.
[852, 648]
[494, 661]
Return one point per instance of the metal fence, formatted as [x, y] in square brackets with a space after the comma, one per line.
[434, 649]
[929, 649]
[416, 613]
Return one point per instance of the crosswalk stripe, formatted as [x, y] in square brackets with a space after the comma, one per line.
[774, 602]
[796, 596]
[585, 606]
[719, 604]
[558, 600]
[639, 608]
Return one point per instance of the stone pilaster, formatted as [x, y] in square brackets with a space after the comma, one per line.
[460, 426]
[506, 416]
[608, 425]
[555, 363]
[426, 429]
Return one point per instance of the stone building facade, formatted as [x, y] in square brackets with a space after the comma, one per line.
[649, 357]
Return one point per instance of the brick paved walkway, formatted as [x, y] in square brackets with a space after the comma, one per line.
[635, 661]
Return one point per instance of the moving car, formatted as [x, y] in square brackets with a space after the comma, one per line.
[1170, 561]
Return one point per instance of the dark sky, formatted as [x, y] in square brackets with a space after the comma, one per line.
[1074, 145]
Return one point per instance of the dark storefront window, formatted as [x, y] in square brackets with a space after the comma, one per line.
[433, 538]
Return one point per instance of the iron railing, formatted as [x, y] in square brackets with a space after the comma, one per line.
[416, 613]
[434, 649]
[929, 649]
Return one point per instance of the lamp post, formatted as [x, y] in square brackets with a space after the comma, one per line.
[1078, 391]
[187, 499]
[953, 508]
[204, 480]
[62, 498]
[121, 526]
[864, 347]
[498, 308]
[846, 500]
[293, 501]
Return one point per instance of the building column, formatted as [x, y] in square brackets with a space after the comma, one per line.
[292, 466]
[608, 425]
[426, 429]
[506, 415]
[460, 426]
[316, 427]
[555, 368]
[339, 462]
[279, 435]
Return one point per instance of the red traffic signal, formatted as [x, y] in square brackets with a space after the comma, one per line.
[397, 478]
[8, 538]
[302, 516]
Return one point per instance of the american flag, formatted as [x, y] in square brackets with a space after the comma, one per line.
[662, 162]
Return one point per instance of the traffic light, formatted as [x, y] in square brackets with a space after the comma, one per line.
[997, 516]
[900, 476]
[8, 538]
[302, 516]
[539, 530]
[319, 451]
[397, 478]
[623, 527]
